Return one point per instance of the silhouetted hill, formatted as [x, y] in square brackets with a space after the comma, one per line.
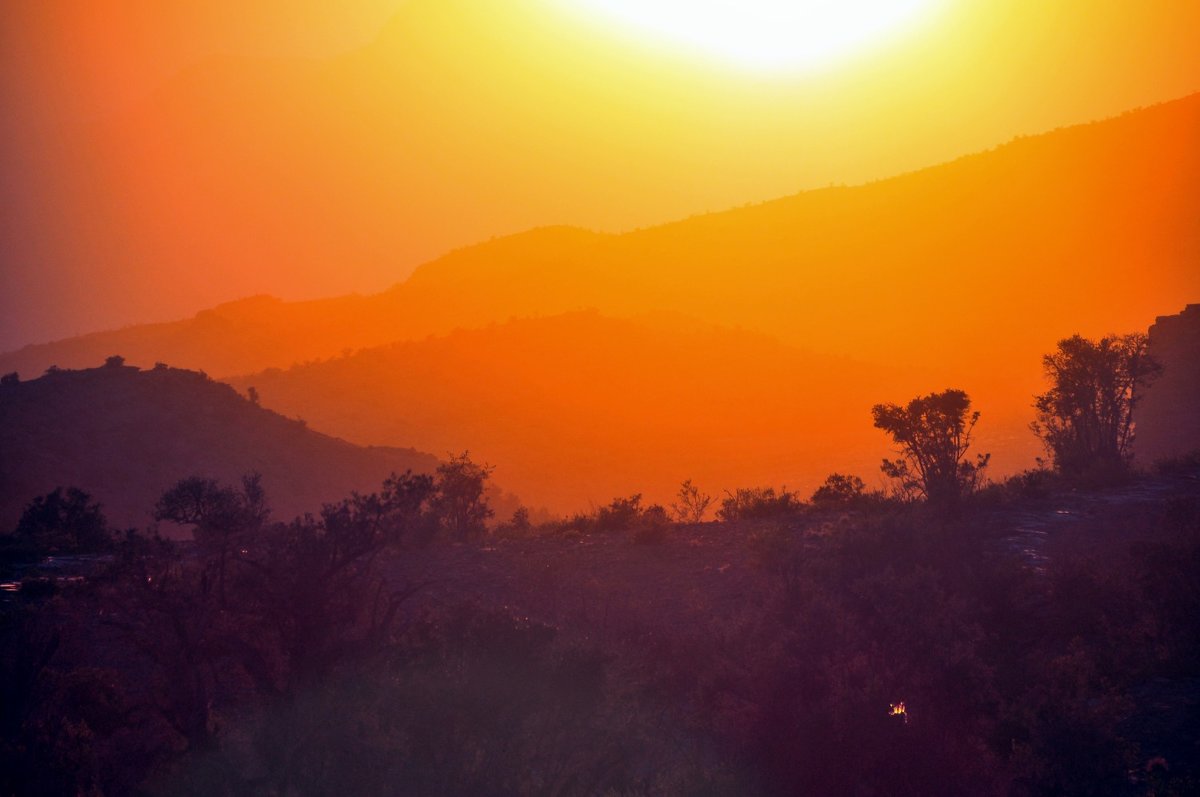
[967, 272]
[466, 119]
[575, 409]
[979, 264]
[125, 435]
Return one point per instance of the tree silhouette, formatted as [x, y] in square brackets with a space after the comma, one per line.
[692, 503]
[459, 500]
[220, 515]
[934, 434]
[839, 490]
[64, 521]
[1085, 419]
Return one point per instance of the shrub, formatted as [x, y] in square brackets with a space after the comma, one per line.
[620, 515]
[65, 521]
[692, 503]
[652, 526]
[756, 503]
[518, 526]
[839, 490]
[1182, 465]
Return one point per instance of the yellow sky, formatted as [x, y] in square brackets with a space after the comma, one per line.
[162, 157]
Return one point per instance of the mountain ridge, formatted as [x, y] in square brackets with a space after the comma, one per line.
[577, 408]
[540, 254]
[125, 435]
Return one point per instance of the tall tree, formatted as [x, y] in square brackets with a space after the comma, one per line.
[933, 434]
[220, 515]
[1085, 419]
[459, 498]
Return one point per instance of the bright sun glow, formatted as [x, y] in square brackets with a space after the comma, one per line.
[767, 34]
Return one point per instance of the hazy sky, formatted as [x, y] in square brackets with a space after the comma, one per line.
[158, 158]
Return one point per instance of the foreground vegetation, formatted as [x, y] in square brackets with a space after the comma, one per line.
[876, 647]
[908, 642]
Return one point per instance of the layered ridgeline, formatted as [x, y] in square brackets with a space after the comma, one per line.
[987, 259]
[125, 435]
[575, 409]
[961, 275]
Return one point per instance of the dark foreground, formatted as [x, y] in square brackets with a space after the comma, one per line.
[1042, 642]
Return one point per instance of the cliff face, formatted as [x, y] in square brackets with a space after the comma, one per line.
[1168, 412]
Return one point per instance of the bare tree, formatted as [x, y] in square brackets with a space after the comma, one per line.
[692, 503]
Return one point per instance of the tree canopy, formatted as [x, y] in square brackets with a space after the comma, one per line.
[933, 434]
[1085, 419]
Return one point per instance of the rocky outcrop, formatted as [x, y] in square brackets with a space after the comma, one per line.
[1168, 411]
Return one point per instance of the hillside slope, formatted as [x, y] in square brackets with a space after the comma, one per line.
[575, 409]
[988, 259]
[242, 173]
[125, 435]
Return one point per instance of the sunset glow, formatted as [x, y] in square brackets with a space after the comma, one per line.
[591, 397]
[768, 34]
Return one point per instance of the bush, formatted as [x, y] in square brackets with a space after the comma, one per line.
[1036, 484]
[757, 503]
[839, 490]
[1182, 465]
[65, 521]
[692, 503]
[518, 526]
[621, 515]
[652, 526]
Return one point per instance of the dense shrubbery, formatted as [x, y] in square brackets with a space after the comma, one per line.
[304, 674]
[646, 523]
[272, 658]
[66, 521]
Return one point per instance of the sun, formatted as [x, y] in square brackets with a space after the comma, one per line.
[767, 34]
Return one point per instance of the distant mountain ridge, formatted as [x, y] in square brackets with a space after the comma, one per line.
[1090, 228]
[577, 408]
[126, 435]
[961, 275]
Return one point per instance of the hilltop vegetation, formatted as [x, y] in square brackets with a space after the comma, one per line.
[125, 435]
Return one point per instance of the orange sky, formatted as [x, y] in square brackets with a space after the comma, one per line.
[160, 158]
